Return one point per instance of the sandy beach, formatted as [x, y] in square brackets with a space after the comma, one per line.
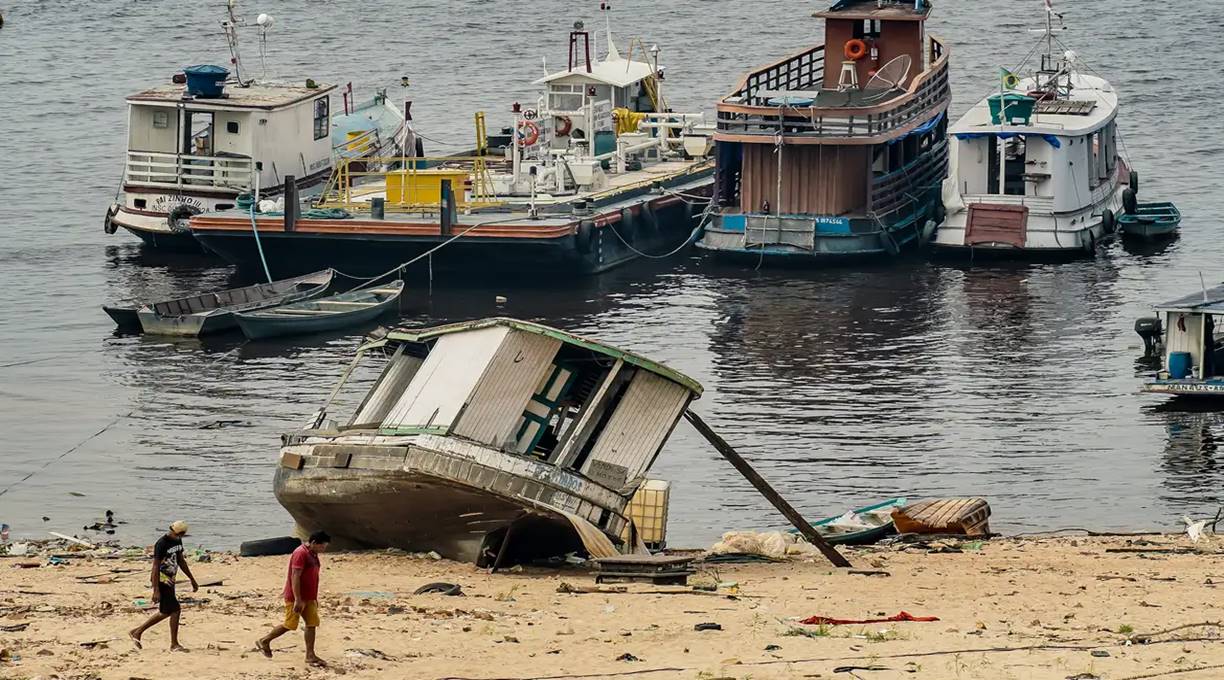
[1064, 607]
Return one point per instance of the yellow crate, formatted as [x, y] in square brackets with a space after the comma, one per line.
[424, 187]
[648, 510]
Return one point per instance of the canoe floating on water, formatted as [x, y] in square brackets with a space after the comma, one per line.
[214, 312]
[324, 314]
[966, 516]
[1150, 220]
[861, 526]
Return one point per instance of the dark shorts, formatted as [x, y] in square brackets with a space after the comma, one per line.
[167, 600]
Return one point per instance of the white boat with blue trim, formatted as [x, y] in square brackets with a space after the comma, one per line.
[1192, 353]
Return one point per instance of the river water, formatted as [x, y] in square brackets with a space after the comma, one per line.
[844, 386]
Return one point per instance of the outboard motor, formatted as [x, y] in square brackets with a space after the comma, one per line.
[1151, 330]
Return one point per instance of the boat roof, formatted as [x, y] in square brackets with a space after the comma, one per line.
[613, 70]
[419, 335]
[1099, 107]
[1209, 301]
[895, 10]
[258, 95]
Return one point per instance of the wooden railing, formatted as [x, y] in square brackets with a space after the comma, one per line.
[893, 192]
[177, 171]
[744, 115]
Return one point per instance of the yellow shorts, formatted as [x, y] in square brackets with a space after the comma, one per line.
[310, 615]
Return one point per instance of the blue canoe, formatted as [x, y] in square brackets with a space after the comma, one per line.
[324, 314]
[1150, 220]
[877, 518]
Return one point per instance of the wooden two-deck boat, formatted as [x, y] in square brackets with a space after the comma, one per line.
[485, 441]
[836, 151]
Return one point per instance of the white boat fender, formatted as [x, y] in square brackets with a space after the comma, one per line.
[108, 224]
[583, 236]
[180, 217]
[928, 231]
[1130, 201]
[1109, 221]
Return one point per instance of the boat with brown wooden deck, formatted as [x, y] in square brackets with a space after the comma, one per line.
[596, 173]
[839, 150]
[966, 516]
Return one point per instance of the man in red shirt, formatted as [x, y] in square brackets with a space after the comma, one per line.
[301, 596]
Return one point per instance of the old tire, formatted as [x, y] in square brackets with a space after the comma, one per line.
[180, 217]
[1090, 244]
[282, 545]
[108, 224]
[1109, 221]
[1133, 180]
[583, 236]
[1130, 201]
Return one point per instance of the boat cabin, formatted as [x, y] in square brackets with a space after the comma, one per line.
[834, 149]
[203, 145]
[519, 414]
[1193, 349]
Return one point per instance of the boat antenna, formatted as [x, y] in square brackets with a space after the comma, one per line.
[1203, 284]
[231, 37]
[264, 21]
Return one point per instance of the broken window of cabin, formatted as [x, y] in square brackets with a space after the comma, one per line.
[1014, 159]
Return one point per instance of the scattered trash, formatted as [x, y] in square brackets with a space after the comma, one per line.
[78, 494]
[774, 545]
[372, 595]
[5, 655]
[963, 516]
[707, 626]
[1084, 676]
[282, 545]
[1100, 653]
[218, 424]
[902, 616]
[443, 588]
[15, 628]
[70, 539]
[56, 561]
[772, 648]
[1195, 529]
[435, 556]
[4, 533]
[627, 657]
[851, 669]
[868, 572]
[500, 299]
[371, 653]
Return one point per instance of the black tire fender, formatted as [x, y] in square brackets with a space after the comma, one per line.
[108, 224]
[1109, 221]
[282, 545]
[1133, 181]
[626, 228]
[583, 236]
[179, 217]
[1130, 201]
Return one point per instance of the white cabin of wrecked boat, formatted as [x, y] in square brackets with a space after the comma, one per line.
[477, 427]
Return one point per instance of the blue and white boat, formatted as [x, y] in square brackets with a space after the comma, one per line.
[1192, 362]
[813, 166]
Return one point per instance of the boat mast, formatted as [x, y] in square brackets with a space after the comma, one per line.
[231, 38]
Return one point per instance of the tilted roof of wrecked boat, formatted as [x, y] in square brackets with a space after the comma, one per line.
[421, 335]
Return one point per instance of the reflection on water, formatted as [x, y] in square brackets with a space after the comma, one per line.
[845, 386]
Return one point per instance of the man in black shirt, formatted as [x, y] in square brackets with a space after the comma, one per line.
[168, 558]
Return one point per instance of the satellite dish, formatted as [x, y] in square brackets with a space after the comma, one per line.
[264, 20]
[892, 75]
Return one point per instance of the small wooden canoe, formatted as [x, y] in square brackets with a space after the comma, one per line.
[324, 314]
[862, 526]
[1150, 220]
[214, 312]
[966, 516]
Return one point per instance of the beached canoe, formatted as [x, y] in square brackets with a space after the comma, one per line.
[323, 314]
[965, 516]
[861, 526]
[1150, 220]
[214, 312]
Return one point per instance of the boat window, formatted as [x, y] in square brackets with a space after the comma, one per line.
[867, 28]
[1015, 158]
[322, 121]
[161, 119]
[232, 127]
[566, 97]
[199, 139]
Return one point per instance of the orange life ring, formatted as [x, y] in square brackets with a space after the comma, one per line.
[529, 133]
[855, 49]
[564, 125]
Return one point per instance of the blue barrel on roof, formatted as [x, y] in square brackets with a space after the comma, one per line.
[206, 80]
[1179, 365]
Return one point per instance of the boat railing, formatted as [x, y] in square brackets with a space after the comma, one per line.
[746, 115]
[409, 183]
[892, 193]
[183, 171]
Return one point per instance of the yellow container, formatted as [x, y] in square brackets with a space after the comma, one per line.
[648, 510]
[424, 187]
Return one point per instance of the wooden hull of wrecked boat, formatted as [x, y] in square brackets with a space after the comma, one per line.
[418, 512]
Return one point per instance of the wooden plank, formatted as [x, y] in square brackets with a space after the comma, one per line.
[766, 490]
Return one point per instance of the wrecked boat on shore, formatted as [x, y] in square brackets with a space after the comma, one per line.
[486, 441]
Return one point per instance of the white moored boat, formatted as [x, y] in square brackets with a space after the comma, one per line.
[213, 134]
[1035, 167]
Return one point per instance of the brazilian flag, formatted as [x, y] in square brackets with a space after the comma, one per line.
[1009, 80]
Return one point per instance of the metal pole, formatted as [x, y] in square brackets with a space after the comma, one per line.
[766, 490]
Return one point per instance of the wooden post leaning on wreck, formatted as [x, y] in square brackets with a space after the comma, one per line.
[766, 490]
